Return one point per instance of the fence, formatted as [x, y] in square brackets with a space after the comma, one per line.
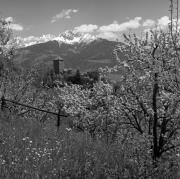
[4, 105]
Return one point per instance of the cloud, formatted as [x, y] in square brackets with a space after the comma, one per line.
[86, 28]
[108, 35]
[115, 27]
[13, 26]
[9, 19]
[159, 24]
[16, 27]
[64, 14]
[149, 23]
[163, 22]
[111, 31]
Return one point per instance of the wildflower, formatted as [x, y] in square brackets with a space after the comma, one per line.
[68, 129]
[25, 138]
[178, 155]
[3, 162]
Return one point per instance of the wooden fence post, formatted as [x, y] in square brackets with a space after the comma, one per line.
[59, 118]
[3, 103]
[59, 114]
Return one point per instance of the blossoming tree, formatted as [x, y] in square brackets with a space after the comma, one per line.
[149, 90]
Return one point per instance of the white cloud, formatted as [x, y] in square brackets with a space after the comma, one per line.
[86, 28]
[13, 26]
[115, 22]
[149, 23]
[16, 27]
[115, 27]
[163, 22]
[159, 24]
[110, 32]
[9, 19]
[108, 35]
[75, 10]
[65, 13]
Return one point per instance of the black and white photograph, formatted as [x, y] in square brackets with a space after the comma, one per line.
[89, 89]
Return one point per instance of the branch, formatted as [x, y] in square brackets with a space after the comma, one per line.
[154, 107]
[131, 123]
[169, 148]
[140, 103]
[154, 50]
[138, 124]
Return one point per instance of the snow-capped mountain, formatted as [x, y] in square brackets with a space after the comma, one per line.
[68, 37]
[31, 40]
[71, 37]
[84, 56]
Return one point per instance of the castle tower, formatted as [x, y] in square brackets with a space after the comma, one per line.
[58, 64]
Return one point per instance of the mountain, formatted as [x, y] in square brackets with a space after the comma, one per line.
[84, 55]
[68, 37]
[71, 37]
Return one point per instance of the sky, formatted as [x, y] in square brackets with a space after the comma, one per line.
[106, 17]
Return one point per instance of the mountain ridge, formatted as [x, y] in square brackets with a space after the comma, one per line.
[69, 37]
[79, 55]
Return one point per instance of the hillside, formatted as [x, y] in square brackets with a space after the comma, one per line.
[83, 56]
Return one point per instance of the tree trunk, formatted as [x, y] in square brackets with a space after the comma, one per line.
[155, 122]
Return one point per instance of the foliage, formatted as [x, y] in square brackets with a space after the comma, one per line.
[6, 40]
[146, 102]
[149, 90]
[95, 109]
[48, 78]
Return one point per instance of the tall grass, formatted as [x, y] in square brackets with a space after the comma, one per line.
[32, 150]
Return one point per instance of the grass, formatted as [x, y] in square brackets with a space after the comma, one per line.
[33, 150]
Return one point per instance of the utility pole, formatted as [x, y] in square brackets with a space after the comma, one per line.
[174, 15]
[171, 8]
[177, 14]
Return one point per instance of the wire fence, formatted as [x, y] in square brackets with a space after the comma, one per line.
[59, 115]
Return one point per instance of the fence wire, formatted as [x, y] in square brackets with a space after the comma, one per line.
[4, 105]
